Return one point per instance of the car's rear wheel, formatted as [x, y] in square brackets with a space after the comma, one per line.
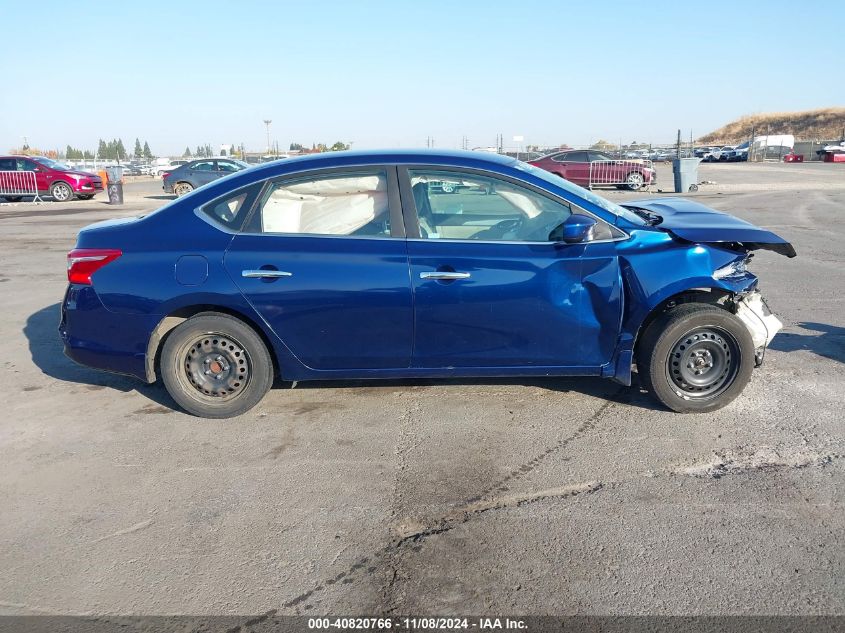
[215, 366]
[61, 192]
[695, 358]
[634, 181]
[182, 188]
[13, 198]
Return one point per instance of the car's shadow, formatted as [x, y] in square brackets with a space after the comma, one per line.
[827, 341]
[46, 350]
[596, 387]
[164, 197]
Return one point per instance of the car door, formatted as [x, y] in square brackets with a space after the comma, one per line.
[43, 175]
[490, 288]
[202, 172]
[578, 168]
[323, 260]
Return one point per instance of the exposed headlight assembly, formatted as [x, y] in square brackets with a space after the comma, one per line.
[736, 268]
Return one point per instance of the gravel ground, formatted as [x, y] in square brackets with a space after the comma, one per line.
[431, 497]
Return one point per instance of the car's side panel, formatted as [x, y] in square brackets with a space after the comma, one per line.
[345, 303]
[520, 306]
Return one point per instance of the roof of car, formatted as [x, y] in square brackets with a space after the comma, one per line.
[456, 158]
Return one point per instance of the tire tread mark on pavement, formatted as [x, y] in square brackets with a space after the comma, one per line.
[501, 485]
[523, 469]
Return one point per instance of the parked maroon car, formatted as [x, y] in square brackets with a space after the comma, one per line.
[52, 178]
[590, 169]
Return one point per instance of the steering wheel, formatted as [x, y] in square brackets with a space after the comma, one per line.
[500, 229]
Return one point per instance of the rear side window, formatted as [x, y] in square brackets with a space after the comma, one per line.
[206, 166]
[576, 157]
[231, 211]
[351, 204]
[7, 164]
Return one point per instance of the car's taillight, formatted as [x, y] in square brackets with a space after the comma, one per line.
[84, 262]
[165, 175]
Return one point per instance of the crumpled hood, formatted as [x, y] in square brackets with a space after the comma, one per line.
[694, 222]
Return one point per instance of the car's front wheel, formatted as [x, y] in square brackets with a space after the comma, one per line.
[182, 188]
[215, 366]
[695, 358]
[61, 192]
[634, 181]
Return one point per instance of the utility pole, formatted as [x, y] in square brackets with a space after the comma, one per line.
[267, 123]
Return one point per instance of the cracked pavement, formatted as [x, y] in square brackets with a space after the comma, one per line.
[560, 496]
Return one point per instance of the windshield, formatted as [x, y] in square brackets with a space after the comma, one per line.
[600, 202]
[52, 164]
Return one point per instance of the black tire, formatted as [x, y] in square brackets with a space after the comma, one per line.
[238, 368]
[672, 347]
[61, 191]
[13, 198]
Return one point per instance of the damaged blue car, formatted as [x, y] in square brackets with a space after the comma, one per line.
[417, 264]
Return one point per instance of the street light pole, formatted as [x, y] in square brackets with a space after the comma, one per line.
[267, 123]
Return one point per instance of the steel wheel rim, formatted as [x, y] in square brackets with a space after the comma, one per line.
[216, 366]
[61, 192]
[703, 363]
[635, 180]
[182, 189]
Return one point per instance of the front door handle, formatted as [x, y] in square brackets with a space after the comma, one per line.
[444, 276]
[265, 273]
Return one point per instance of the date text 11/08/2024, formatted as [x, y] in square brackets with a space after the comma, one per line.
[415, 624]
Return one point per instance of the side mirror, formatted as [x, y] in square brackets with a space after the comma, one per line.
[575, 230]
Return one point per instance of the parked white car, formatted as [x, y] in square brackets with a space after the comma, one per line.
[168, 167]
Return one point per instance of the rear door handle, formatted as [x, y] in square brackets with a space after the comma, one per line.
[443, 276]
[265, 273]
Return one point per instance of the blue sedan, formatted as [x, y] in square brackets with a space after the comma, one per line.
[413, 264]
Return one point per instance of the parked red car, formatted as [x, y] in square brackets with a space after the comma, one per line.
[53, 179]
[574, 165]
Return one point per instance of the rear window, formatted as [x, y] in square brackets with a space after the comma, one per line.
[348, 204]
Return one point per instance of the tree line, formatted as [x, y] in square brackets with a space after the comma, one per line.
[111, 150]
[320, 147]
[203, 151]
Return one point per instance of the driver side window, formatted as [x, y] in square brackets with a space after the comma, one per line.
[466, 206]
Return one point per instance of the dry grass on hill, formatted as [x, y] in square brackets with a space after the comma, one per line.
[821, 124]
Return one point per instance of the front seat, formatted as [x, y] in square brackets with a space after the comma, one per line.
[424, 212]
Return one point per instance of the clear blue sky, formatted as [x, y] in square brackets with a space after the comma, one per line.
[391, 73]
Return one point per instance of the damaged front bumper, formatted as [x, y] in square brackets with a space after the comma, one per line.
[761, 323]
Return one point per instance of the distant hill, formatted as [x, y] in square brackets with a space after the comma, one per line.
[821, 124]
